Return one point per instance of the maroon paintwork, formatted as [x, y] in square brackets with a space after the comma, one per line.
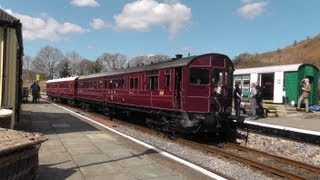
[193, 97]
[196, 88]
[62, 88]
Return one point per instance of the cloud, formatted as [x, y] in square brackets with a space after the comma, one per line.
[98, 23]
[85, 3]
[44, 27]
[250, 9]
[141, 15]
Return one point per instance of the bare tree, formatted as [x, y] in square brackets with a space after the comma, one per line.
[74, 59]
[84, 67]
[158, 58]
[139, 60]
[112, 61]
[27, 62]
[47, 61]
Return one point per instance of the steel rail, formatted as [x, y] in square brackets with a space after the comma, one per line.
[247, 161]
[278, 158]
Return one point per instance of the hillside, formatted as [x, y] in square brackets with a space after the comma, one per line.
[306, 51]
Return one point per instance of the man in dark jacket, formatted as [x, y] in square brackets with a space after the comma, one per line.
[237, 94]
[35, 91]
[259, 97]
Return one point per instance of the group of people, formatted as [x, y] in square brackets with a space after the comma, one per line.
[256, 98]
[35, 91]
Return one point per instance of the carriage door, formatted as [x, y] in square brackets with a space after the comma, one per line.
[177, 88]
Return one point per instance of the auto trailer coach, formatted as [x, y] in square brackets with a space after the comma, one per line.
[185, 94]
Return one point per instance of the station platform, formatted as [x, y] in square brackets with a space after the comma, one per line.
[78, 150]
[302, 122]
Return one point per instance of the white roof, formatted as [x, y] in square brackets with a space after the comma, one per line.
[268, 69]
[62, 79]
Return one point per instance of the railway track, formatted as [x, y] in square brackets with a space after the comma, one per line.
[288, 168]
[276, 165]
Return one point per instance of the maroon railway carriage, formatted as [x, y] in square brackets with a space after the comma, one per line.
[63, 89]
[188, 94]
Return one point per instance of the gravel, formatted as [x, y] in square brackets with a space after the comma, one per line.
[228, 167]
[294, 150]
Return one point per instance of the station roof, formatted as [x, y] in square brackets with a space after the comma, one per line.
[5, 17]
[7, 20]
[268, 69]
[62, 79]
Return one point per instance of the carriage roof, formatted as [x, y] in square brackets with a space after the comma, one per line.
[62, 79]
[153, 66]
[174, 62]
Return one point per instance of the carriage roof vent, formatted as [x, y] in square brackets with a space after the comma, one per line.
[178, 56]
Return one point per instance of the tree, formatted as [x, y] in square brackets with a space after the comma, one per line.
[112, 61]
[75, 60]
[96, 67]
[47, 61]
[84, 67]
[65, 70]
[27, 61]
[139, 60]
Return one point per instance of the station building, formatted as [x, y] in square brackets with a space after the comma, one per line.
[11, 52]
[280, 84]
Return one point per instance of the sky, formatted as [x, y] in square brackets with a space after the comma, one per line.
[147, 27]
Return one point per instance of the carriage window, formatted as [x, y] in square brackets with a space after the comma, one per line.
[167, 81]
[134, 83]
[217, 76]
[85, 85]
[153, 82]
[120, 83]
[95, 84]
[199, 76]
[131, 83]
[100, 85]
[217, 80]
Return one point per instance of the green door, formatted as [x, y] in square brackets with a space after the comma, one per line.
[311, 72]
[291, 86]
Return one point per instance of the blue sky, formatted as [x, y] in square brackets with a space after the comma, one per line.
[146, 27]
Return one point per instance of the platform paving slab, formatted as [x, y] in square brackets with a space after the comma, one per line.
[77, 150]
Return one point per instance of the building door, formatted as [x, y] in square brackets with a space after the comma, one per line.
[267, 85]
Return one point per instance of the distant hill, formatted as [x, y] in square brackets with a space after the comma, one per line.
[305, 51]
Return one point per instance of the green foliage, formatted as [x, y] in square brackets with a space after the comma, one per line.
[96, 66]
[65, 70]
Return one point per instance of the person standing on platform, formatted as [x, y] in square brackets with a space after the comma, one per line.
[237, 95]
[253, 101]
[259, 98]
[305, 94]
[35, 91]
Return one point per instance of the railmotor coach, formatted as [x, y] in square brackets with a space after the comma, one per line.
[63, 89]
[183, 94]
